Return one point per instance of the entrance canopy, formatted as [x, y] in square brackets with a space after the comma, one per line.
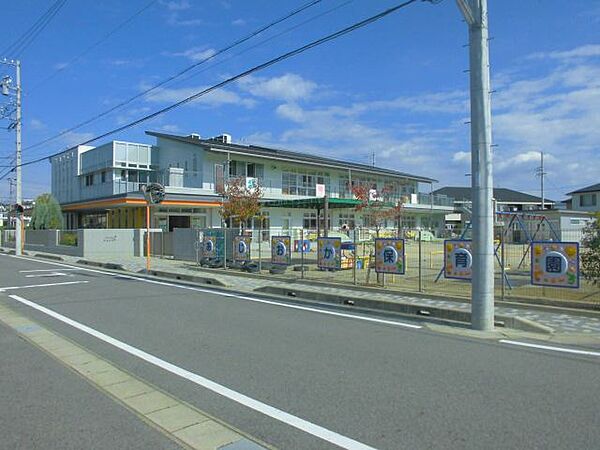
[312, 203]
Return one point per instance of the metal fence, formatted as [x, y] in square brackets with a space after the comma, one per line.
[424, 263]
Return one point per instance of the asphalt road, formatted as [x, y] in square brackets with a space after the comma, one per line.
[380, 384]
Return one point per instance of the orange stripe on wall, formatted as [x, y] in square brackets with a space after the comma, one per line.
[135, 202]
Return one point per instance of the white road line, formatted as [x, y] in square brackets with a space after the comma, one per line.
[243, 297]
[14, 288]
[256, 405]
[549, 347]
[42, 270]
[47, 275]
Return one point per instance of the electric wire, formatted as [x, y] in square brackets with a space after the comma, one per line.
[262, 66]
[104, 38]
[178, 74]
[20, 45]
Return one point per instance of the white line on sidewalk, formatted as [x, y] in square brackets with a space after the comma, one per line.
[552, 348]
[242, 297]
[282, 416]
[13, 288]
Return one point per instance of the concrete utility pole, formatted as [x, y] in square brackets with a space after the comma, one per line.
[19, 199]
[541, 174]
[6, 90]
[482, 287]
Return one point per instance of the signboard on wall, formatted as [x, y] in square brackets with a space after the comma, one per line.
[458, 259]
[329, 253]
[281, 251]
[389, 256]
[320, 190]
[241, 248]
[209, 247]
[555, 264]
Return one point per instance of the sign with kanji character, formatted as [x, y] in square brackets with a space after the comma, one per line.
[389, 256]
[458, 259]
[329, 253]
[209, 246]
[281, 251]
[555, 264]
[241, 248]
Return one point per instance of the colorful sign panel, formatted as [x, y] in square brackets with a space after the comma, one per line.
[281, 250]
[209, 246]
[389, 256]
[555, 264]
[329, 253]
[458, 259]
[241, 248]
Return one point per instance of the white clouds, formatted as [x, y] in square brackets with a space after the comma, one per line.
[215, 98]
[461, 157]
[60, 66]
[197, 53]
[238, 22]
[173, 5]
[585, 51]
[37, 124]
[288, 87]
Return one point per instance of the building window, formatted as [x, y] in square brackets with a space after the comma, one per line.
[89, 179]
[194, 163]
[103, 176]
[588, 200]
[303, 183]
[310, 220]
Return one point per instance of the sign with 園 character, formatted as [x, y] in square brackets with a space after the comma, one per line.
[241, 248]
[209, 246]
[458, 259]
[329, 253]
[281, 251]
[389, 256]
[555, 264]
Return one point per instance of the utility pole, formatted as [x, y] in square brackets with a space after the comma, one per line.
[482, 287]
[541, 173]
[5, 84]
[20, 223]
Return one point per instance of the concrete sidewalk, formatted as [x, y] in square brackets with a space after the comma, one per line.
[571, 326]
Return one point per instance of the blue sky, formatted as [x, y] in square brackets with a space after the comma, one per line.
[396, 88]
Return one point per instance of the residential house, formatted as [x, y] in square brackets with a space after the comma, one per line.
[585, 199]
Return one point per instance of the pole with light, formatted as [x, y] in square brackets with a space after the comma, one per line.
[7, 89]
[154, 193]
[482, 290]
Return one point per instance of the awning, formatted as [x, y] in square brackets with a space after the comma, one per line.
[312, 203]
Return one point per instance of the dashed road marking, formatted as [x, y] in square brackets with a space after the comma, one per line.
[14, 288]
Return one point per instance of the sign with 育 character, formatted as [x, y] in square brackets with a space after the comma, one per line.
[281, 250]
[458, 259]
[555, 264]
[389, 256]
[241, 248]
[329, 253]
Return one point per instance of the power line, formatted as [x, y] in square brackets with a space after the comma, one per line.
[21, 44]
[178, 74]
[232, 79]
[95, 44]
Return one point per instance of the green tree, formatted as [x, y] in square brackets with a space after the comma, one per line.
[590, 252]
[46, 214]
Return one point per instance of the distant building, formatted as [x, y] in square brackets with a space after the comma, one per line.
[505, 200]
[100, 187]
[585, 199]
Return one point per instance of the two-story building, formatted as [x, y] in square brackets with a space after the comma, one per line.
[100, 187]
[585, 199]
